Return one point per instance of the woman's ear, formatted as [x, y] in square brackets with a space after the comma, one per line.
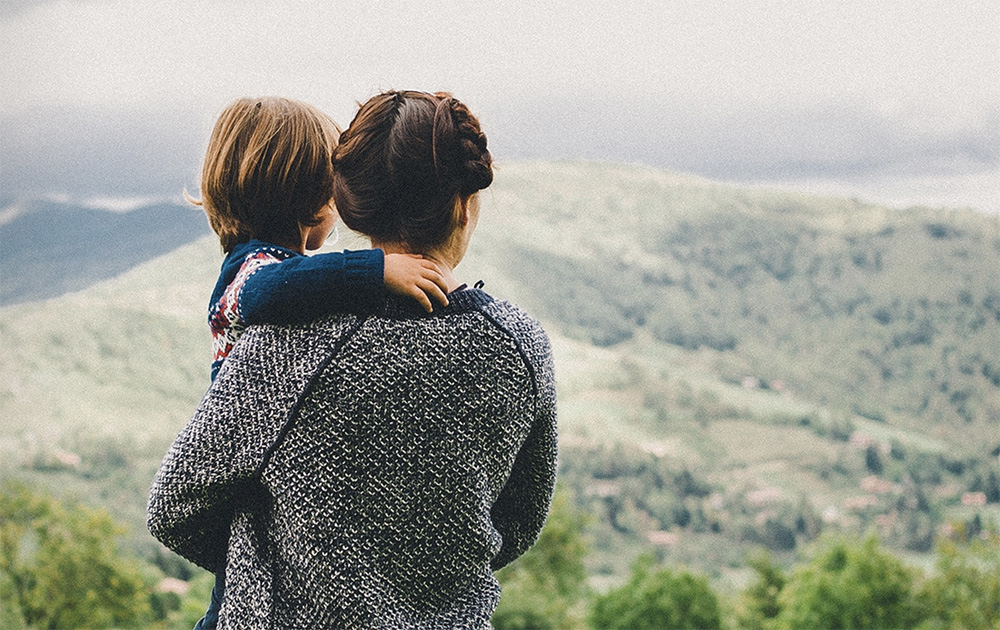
[463, 210]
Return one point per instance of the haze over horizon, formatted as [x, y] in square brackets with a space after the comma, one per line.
[896, 103]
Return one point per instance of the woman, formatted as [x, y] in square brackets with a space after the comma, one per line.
[372, 471]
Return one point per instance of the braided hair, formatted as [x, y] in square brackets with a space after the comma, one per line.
[404, 163]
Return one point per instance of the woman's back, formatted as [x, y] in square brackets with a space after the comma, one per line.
[418, 456]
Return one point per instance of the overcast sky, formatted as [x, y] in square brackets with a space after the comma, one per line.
[897, 96]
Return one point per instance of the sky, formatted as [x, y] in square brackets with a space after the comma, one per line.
[897, 101]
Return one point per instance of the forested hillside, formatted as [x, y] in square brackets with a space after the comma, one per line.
[894, 316]
[736, 367]
[771, 365]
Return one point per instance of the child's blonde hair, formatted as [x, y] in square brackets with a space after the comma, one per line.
[267, 170]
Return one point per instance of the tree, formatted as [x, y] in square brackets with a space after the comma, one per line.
[992, 487]
[59, 567]
[546, 587]
[658, 599]
[965, 591]
[873, 460]
[849, 585]
[11, 615]
[759, 602]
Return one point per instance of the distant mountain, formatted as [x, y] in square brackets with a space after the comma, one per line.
[51, 248]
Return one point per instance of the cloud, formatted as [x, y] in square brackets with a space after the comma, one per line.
[137, 151]
[10, 8]
[751, 142]
[923, 56]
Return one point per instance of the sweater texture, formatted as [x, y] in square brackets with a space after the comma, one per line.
[367, 472]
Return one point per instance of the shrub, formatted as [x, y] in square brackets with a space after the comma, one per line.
[849, 585]
[965, 591]
[658, 599]
[59, 566]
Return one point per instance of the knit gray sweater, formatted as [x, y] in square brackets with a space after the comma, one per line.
[367, 472]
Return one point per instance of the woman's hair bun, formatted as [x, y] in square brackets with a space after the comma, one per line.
[477, 161]
[404, 161]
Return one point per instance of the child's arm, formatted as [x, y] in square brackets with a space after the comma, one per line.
[303, 288]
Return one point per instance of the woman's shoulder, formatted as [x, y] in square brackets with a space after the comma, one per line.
[508, 312]
[525, 329]
[293, 343]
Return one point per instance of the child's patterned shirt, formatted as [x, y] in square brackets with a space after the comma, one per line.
[224, 319]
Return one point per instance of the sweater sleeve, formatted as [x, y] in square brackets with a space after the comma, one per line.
[303, 288]
[523, 505]
[194, 494]
[212, 469]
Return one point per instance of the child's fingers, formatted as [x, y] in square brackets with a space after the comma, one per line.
[430, 271]
[423, 300]
[417, 277]
[435, 291]
[435, 276]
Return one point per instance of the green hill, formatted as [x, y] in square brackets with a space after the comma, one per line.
[736, 366]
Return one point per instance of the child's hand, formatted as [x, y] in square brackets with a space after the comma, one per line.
[417, 277]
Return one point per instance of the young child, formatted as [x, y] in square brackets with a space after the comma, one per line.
[266, 187]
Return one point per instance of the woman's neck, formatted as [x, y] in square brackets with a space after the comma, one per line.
[438, 257]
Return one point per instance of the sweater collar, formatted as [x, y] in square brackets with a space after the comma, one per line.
[460, 300]
[234, 260]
